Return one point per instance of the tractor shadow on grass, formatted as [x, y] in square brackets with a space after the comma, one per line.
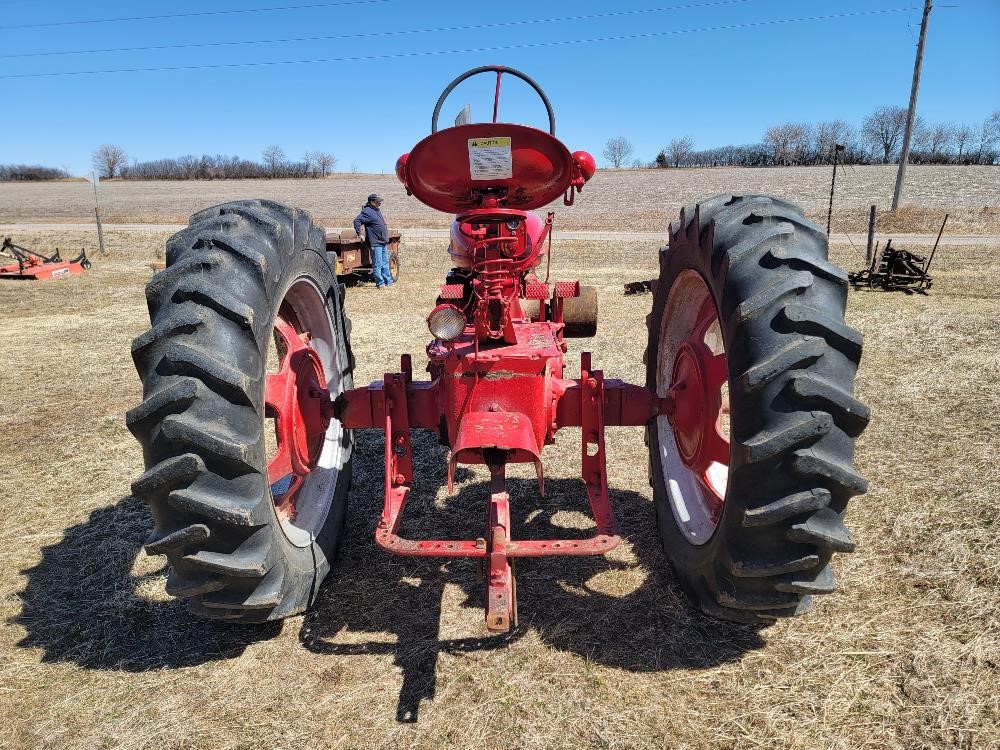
[83, 603]
[628, 615]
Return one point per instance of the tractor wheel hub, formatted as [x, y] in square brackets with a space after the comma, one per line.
[690, 397]
[297, 398]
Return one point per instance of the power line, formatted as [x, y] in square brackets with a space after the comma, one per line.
[368, 35]
[193, 14]
[430, 53]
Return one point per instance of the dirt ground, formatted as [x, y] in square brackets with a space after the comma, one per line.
[626, 200]
[609, 655]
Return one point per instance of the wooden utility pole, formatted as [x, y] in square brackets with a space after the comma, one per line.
[911, 115]
[94, 179]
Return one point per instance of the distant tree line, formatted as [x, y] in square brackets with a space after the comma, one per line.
[111, 161]
[30, 173]
[273, 165]
[878, 140]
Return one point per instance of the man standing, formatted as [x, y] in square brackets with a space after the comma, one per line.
[378, 235]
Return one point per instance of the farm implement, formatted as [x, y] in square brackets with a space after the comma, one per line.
[351, 256]
[747, 404]
[895, 269]
[31, 265]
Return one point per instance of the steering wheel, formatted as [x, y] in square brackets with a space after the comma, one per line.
[499, 70]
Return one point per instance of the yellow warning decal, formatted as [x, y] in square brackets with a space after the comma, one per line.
[488, 142]
[490, 158]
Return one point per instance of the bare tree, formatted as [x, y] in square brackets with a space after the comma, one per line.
[883, 129]
[309, 162]
[680, 150]
[963, 137]
[829, 134]
[325, 162]
[354, 167]
[788, 142]
[989, 133]
[109, 159]
[934, 140]
[274, 158]
[617, 151]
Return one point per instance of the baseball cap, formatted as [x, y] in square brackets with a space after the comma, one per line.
[374, 197]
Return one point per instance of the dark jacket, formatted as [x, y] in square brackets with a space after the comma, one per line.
[374, 224]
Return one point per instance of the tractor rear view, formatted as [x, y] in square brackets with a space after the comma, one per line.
[748, 402]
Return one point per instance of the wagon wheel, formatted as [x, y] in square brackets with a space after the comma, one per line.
[394, 265]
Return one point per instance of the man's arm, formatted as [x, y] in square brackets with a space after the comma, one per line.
[357, 224]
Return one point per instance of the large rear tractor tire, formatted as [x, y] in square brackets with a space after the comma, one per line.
[752, 472]
[248, 331]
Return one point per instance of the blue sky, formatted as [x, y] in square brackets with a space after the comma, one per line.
[718, 86]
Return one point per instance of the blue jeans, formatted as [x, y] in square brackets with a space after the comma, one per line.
[380, 265]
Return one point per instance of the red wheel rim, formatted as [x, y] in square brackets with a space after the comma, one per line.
[698, 377]
[693, 442]
[297, 399]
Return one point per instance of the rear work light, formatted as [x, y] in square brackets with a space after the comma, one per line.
[446, 322]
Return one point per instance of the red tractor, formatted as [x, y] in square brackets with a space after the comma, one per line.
[747, 405]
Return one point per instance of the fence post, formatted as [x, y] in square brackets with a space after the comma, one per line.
[871, 234]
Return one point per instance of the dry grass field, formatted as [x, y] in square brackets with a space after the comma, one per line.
[614, 200]
[94, 655]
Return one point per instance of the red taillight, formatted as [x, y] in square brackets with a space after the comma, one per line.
[585, 163]
[401, 167]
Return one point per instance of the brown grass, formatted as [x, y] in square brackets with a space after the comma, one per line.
[625, 200]
[905, 655]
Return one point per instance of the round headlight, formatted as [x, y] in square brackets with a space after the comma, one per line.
[446, 322]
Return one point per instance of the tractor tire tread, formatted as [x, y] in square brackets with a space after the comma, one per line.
[201, 419]
[176, 540]
[211, 296]
[823, 582]
[814, 391]
[787, 507]
[812, 322]
[230, 382]
[805, 429]
[185, 321]
[792, 363]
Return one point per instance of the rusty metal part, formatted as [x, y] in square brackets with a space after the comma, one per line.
[350, 254]
[894, 269]
[638, 287]
[927, 265]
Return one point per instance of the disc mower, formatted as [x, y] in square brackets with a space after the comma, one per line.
[747, 404]
[30, 265]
